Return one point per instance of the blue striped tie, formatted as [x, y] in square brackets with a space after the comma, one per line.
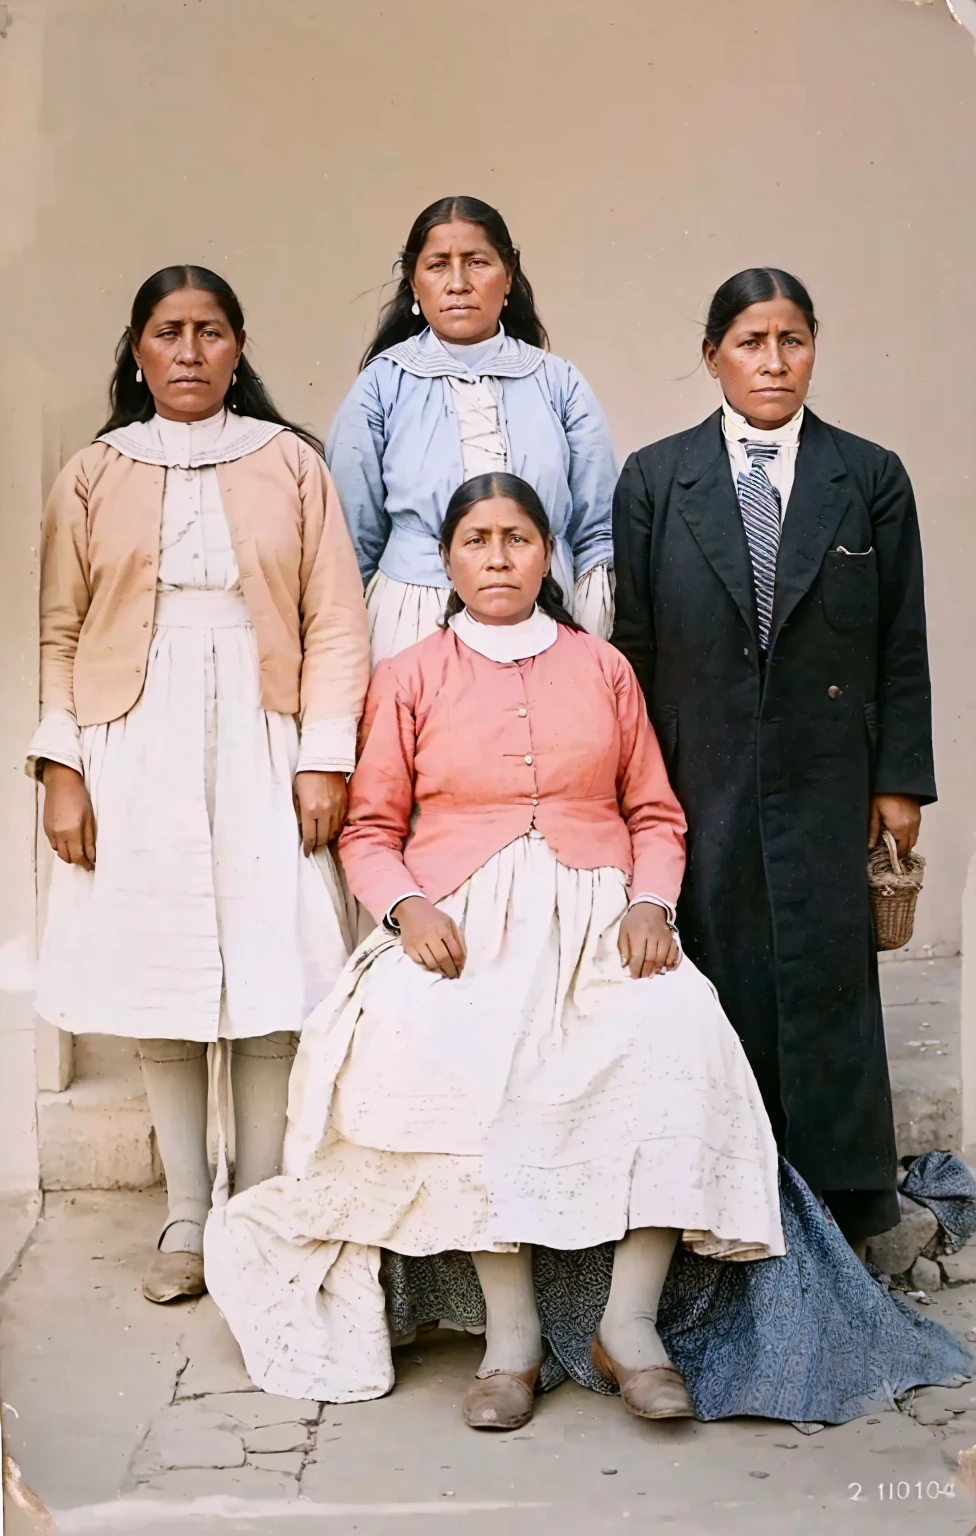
[761, 510]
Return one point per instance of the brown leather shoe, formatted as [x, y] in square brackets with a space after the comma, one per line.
[170, 1276]
[503, 1400]
[658, 1392]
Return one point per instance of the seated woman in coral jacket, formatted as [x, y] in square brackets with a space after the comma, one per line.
[519, 1055]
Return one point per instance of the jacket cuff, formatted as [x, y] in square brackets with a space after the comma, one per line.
[56, 740]
[591, 603]
[328, 746]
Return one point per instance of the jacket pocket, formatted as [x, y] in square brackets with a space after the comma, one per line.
[666, 730]
[849, 589]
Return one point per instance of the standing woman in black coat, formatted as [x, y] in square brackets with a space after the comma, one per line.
[769, 596]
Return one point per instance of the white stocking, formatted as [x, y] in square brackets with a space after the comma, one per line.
[628, 1331]
[260, 1068]
[513, 1335]
[175, 1074]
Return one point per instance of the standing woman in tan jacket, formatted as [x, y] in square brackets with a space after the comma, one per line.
[204, 662]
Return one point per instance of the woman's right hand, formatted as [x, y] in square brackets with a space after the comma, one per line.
[430, 937]
[69, 821]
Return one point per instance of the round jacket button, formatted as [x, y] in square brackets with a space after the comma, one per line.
[523, 712]
[833, 692]
[528, 757]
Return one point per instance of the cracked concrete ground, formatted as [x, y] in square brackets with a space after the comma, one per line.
[125, 1417]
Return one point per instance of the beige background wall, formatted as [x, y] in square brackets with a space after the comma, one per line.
[641, 153]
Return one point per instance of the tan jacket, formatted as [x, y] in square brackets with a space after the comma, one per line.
[100, 555]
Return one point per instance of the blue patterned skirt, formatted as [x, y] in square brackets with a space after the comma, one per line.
[811, 1337]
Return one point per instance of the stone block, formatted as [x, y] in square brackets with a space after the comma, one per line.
[256, 1409]
[184, 1448]
[960, 1268]
[276, 1438]
[289, 1462]
[895, 1252]
[215, 1361]
[209, 1482]
[926, 1276]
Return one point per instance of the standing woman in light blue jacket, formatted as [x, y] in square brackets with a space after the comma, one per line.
[456, 382]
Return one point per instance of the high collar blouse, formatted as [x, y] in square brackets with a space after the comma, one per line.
[485, 750]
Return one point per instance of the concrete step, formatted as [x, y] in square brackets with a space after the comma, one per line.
[97, 1134]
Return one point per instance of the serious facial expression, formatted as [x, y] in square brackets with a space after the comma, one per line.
[460, 282]
[764, 362]
[497, 560]
[188, 353]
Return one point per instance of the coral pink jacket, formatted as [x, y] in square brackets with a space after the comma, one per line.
[485, 749]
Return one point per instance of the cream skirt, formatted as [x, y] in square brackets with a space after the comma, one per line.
[544, 1097]
[202, 918]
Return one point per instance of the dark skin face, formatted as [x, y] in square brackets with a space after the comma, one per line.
[497, 560]
[764, 362]
[188, 353]
[460, 282]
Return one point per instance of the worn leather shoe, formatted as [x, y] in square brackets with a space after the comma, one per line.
[503, 1400]
[170, 1276]
[657, 1392]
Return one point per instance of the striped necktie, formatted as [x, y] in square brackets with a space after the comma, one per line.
[761, 509]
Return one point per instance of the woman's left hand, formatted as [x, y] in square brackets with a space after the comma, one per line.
[646, 944]
[320, 805]
[901, 815]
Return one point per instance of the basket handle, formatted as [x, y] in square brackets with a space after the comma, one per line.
[892, 848]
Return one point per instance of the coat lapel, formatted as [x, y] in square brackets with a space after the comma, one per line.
[710, 507]
[816, 506]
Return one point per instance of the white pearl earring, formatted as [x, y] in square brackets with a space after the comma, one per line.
[415, 308]
[138, 375]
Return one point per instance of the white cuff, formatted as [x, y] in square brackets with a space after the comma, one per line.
[592, 601]
[328, 746]
[389, 921]
[56, 740]
[657, 901]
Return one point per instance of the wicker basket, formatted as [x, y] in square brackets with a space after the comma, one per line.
[894, 885]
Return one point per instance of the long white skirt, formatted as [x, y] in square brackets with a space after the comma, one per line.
[401, 613]
[202, 918]
[544, 1097]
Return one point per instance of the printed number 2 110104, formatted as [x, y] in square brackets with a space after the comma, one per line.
[890, 1492]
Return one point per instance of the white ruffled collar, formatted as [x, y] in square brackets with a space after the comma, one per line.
[192, 444]
[507, 642]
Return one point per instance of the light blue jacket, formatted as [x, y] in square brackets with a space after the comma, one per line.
[394, 451]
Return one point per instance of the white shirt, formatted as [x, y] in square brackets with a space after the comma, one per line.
[195, 546]
[781, 470]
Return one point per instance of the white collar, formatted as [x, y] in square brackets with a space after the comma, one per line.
[736, 428]
[192, 444]
[507, 642]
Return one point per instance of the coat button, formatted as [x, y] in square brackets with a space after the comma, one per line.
[833, 692]
[522, 713]
[535, 800]
[528, 758]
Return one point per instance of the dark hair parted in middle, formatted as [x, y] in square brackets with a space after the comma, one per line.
[512, 488]
[756, 285]
[129, 394]
[397, 320]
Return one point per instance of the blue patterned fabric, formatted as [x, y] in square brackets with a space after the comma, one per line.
[946, 1186]
[807, 1338]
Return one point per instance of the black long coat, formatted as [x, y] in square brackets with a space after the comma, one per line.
[775, 762]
